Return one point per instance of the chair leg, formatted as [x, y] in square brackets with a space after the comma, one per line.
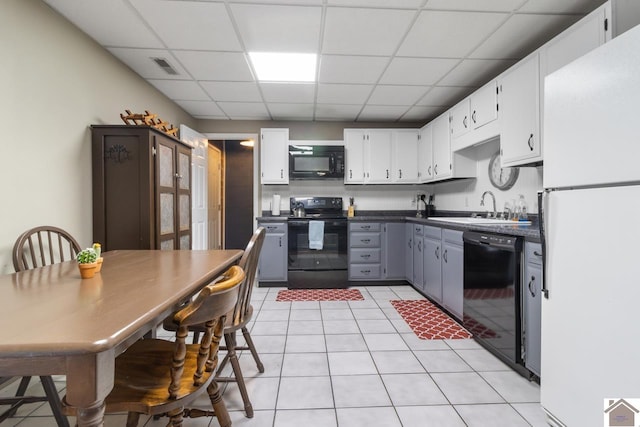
[176, 417]
[132, 419]
[252, 349]
[22, 389]
[219, 407]
[230, 339]
[54, 401]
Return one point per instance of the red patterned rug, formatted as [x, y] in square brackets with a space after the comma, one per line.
[428, 321]
[319, 295]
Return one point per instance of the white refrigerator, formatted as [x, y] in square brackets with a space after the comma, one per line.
[590, 214]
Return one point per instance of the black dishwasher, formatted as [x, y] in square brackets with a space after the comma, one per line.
[492, 309]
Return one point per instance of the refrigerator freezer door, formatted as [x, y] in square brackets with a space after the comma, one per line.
[590, 330]
[591, 134]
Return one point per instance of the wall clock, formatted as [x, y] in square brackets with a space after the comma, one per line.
[502, 178]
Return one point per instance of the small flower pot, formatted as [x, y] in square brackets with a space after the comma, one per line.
[99, 266]
[87, 271]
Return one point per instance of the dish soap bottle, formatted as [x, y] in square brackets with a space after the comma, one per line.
[522, 209]
[351, 212]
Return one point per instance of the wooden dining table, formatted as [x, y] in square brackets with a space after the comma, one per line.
[55, 323]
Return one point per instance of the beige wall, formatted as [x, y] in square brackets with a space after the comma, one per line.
[54, 83]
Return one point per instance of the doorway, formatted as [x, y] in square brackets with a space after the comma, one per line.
[238, 194]
[215, 190]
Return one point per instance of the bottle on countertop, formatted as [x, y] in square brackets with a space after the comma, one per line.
[522, 208]
[351, 212]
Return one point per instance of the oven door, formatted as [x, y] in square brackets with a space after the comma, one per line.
[311, 268]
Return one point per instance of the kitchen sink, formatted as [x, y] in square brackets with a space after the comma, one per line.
[478, 220]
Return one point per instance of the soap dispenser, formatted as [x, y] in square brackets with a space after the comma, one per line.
[522, 208]
[351, 212]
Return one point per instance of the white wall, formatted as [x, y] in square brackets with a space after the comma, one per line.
[459, 195]
[54, 83]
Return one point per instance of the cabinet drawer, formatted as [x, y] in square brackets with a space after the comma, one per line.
[452, 236]
[364, 226]
[434, 232]
[364, 255]
[364, 271]
[364, 240]
[533, 253]
[274, 227]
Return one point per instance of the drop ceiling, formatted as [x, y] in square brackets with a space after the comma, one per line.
[379, 60]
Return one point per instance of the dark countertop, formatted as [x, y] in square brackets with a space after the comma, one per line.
[529, 232]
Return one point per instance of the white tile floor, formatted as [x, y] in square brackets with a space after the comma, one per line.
[352, 364]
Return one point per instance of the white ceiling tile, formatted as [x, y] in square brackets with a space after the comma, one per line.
[233, 91]
[185, 90]
[229, 66]
[284, 92]
[302, 2]
[364, 31]
[245, 109]
[396, 95]
[351, 69]
[291, 111]
[417, 71]
[475, 72]
[382, 113]
[139, 60]
[439, 96]
[278, 28]
[201, 108]
[192, 25]
[98, 21]
[475, 5]
[449, 34]
[418, 113]
[564, 6]
[396, 4]
[337, 112]
[343, 93]
[510, 42]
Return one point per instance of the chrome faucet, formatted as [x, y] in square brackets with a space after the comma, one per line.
[495, 213]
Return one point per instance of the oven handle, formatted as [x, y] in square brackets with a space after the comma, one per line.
[326, 223]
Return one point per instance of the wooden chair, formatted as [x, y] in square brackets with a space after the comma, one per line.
[156, 377]
[237, 321]
[34, 248]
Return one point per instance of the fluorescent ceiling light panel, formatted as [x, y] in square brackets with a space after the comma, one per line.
[284, 67]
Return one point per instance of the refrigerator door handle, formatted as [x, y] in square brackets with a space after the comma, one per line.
[542, 199]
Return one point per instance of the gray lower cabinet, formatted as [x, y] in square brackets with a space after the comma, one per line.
[452, 271]
[365, 251]
[408, 252]
[273, 256]
[432, 244]
[393, 250]
[418, 262]
[532, 301]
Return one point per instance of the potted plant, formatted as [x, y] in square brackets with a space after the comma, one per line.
[87, 262]
[98, 248]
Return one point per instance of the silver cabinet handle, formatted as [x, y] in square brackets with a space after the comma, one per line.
[429, 170]
[387, 173]
[437, 252]
[280, 241]
[435, 169]
[531, 291]
[410, 243]
[365, 227]
[444, 255]
[350, 173]
[399, 172]
[536, 253]
[365, 256]
[178, 176]
[530, 142]
[473, 117]
[281, 173]
[464, 122]
[365, 240]
[419, 245]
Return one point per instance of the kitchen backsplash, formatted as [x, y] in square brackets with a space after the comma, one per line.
[460, 195]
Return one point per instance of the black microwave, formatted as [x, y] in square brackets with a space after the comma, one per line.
[316, 162]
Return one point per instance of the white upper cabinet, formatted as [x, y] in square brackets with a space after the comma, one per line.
[354, 172]
[460, 119]
[274, 156]
[441, 147]
[520, 113]
[425, 153]
[483, 105]
[378, 149]
[405, 156]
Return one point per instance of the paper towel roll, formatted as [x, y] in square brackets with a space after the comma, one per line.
[275, 205]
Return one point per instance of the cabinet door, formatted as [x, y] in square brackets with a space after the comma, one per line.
[432, 268]
[273, 258]
[418, 258]
[442, 167]
[425, 154]
[393, 250]
[405, 156]
[408, 252]
[354, 141]
[173, 195]
[274, 156]
[532, 316]
[459, 118]
[452, 278]
[484, 105]
[520, 113]
[183, 166]
[378, 155]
